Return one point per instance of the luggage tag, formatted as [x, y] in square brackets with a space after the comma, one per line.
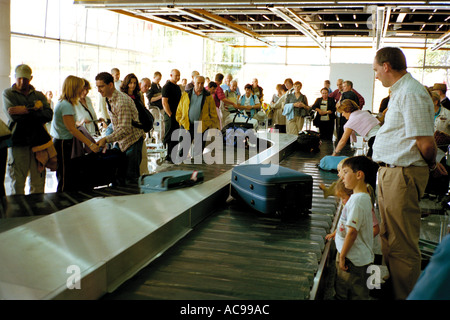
[194, 175]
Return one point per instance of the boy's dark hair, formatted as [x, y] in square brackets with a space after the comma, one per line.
[364, 164]
[105, 77]
[212, 84]
[219, 77]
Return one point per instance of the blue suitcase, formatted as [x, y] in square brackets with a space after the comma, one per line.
[163, 181]
[283, 192]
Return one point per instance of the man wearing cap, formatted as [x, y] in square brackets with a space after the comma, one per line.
[28, 110]
[441, 89]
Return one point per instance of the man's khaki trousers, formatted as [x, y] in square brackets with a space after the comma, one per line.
[399, 193]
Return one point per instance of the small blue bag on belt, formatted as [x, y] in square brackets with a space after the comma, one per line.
[163, 181]
[330, 163]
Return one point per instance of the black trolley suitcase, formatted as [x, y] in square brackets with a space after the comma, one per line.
[272, 189]
[97, 169]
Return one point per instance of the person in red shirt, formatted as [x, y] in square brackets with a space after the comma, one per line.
[219, 96]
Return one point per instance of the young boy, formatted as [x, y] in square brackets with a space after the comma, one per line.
[354, 234]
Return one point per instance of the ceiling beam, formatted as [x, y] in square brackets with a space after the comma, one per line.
[155, 21]
[304, 23]
[298, 26]
[441, 41]
[225, 23]
[387, 18]
[228, 23]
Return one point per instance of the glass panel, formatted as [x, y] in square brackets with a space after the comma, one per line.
[31, 20]
[74, 26]
[101, 27]
[353, 55]
[432, 76]
[53, 19]
[45, 71]
[265, 55]
[310, 56]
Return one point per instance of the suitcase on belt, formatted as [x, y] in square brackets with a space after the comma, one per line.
[163, 181]
[283, 192]
[309, 141]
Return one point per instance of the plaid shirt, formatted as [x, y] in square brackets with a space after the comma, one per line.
[410, 114]
[121, 110]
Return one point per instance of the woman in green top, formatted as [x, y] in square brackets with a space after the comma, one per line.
[63, 131]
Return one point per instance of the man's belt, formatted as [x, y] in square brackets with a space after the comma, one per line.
[386, 165]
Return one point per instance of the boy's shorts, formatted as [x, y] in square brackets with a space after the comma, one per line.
[351, 284]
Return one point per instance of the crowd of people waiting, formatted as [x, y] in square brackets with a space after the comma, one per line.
[401, 137]
[43, 134]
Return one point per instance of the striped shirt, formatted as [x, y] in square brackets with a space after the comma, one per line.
[410, 114]
[122, 111]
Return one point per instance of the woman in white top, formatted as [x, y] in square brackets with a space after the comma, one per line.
[84, 112]
[359, 121]
[441, 115]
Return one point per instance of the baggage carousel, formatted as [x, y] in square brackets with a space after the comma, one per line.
[238, 253]
[192, 243]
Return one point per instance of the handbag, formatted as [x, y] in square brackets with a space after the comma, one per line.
[4, 131]
[442, 140]
[240, 127]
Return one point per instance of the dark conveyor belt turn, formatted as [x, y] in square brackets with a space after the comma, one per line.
[237, 253]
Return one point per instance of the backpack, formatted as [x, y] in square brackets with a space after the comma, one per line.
[146, 118]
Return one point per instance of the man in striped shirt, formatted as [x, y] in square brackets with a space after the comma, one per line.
[122, 112]
[406, 151]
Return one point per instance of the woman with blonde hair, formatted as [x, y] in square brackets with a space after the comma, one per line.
[64, 129]
[84, 112]
[360, 121]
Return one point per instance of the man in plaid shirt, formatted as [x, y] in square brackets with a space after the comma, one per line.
[122, 111]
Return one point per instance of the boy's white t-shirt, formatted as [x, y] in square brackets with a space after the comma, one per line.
[357, 213]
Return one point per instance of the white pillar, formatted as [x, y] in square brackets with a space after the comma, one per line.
[5, 49]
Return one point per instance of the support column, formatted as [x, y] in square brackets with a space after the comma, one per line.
[5, 49]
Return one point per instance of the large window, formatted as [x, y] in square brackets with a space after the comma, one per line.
[58, 38]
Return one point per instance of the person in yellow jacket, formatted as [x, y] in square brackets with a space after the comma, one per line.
[196, 112]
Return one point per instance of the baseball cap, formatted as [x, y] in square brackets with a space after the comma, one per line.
[23, 71]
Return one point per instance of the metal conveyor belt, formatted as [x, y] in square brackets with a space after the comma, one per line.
[237, 253]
